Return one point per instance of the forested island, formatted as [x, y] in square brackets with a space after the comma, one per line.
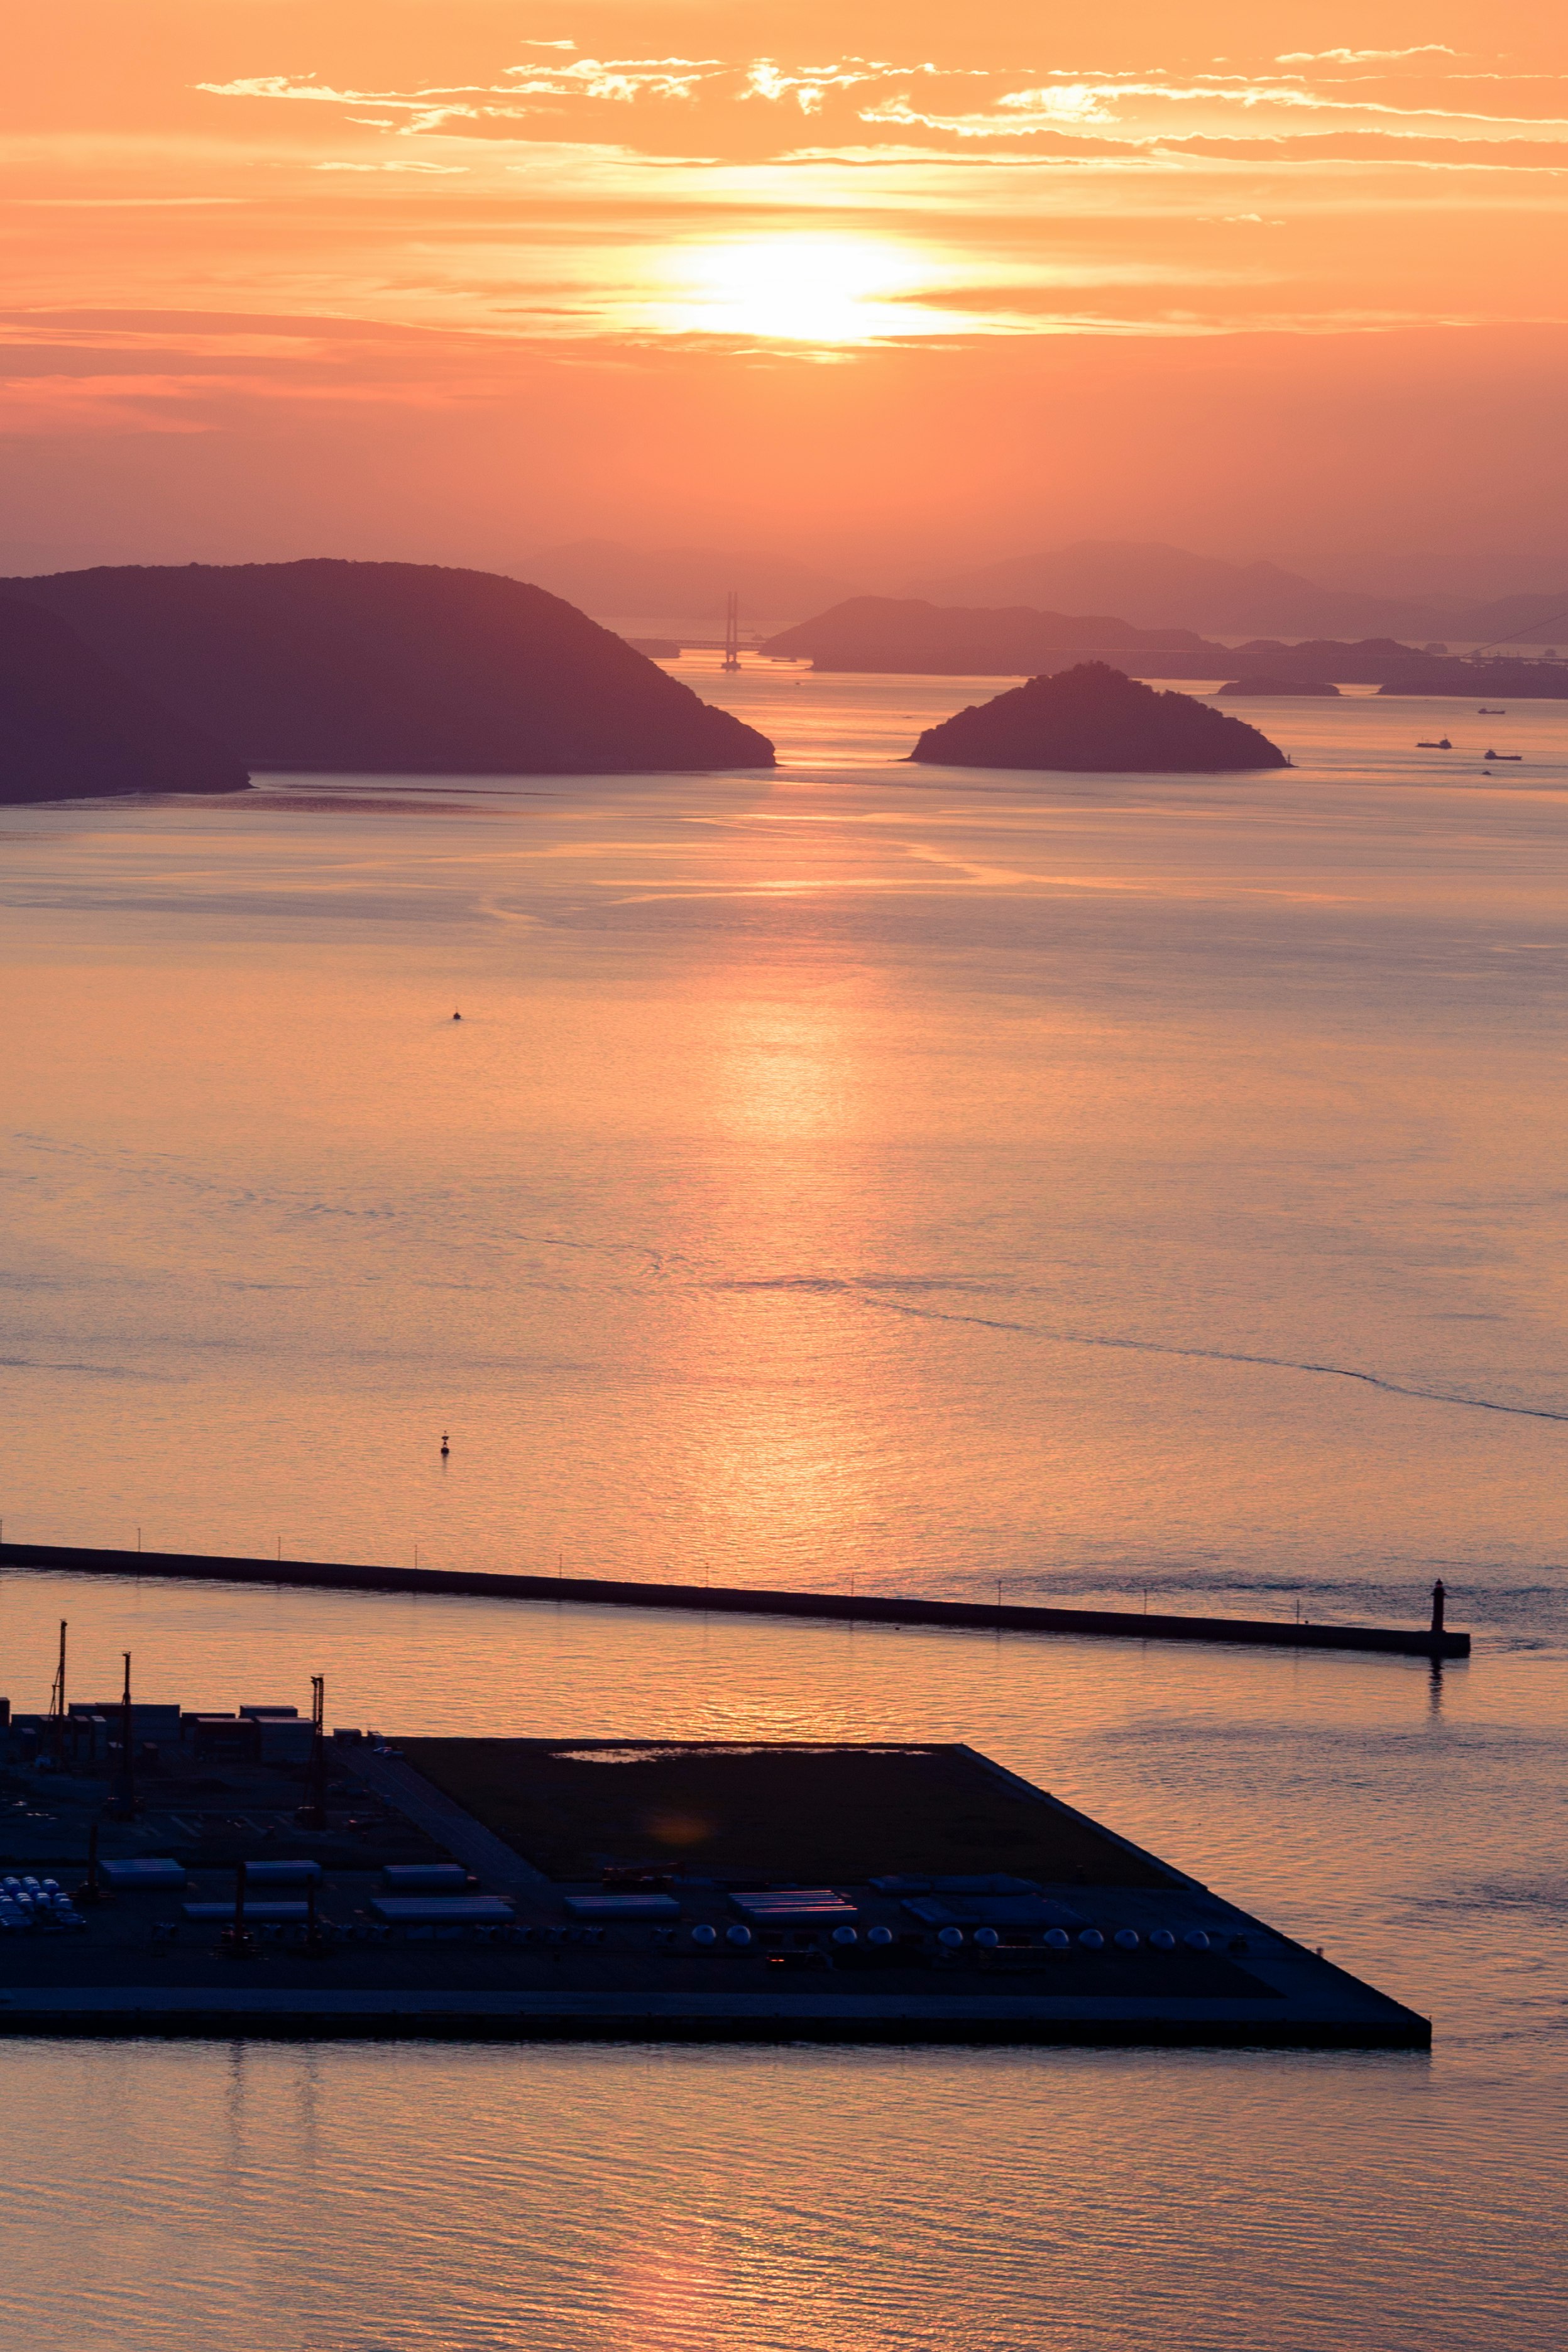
[1096, 719]
[71, 727]
[388, 668]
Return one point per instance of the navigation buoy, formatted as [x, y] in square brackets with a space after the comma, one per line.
[457, 1016]
[445, 1445]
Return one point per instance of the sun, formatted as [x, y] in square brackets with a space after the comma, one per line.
[800, 290]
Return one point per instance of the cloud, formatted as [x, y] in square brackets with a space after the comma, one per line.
[1137, 112]
[1363, 56]
[1077, 103]
[1132, 108]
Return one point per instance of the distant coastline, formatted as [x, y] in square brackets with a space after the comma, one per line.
[912, 637]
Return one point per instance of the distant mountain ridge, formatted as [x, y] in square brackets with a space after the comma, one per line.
[1151, 585]
[1148, 585]
[389, 668]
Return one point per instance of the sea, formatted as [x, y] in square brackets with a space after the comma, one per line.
[864, 1177]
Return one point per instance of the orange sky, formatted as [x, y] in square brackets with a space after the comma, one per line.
[879, 285]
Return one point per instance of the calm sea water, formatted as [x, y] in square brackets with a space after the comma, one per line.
[863, 1172]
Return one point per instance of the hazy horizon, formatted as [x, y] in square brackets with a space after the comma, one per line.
[424, 284]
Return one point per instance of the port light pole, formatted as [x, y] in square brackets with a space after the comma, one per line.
[312, 1814]
[123, 1806]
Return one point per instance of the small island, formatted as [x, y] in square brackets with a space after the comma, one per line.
[1261, 686]
[72, 727]
[1096, 719]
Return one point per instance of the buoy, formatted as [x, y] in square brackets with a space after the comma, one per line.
[1163, 1940]
[1127, 1938]
[737, 1934]
[880, 1935]
[987, 1938]
[1092, 1940]
[704, 1934]
[1195, 1940]
[457, 1016]
[446, 1445]
[951, 1936]
[845, 1935]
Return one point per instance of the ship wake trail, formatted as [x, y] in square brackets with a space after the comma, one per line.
[1068, 1338]
[872, 1294]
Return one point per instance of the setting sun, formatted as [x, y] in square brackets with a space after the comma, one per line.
[803, 289]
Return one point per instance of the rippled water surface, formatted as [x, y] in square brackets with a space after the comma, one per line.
[865, 1172]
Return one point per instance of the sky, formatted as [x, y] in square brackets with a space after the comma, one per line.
[874, 284]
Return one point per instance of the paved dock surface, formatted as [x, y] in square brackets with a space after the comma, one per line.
[1189, 1969]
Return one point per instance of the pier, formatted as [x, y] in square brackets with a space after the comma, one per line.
[1432, 1641]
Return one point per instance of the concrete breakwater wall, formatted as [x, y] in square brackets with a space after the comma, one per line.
[871, 1609]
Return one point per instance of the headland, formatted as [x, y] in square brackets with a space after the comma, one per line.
[73, 727]
[331, 667]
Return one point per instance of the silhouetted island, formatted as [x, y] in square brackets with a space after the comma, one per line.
[391, 668]
[73, 728]
[1291, 686]
[1095, 718]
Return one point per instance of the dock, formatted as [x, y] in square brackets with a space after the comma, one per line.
[518, 1890]
[1432, 1641]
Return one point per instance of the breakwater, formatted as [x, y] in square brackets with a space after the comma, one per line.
[732, 1600]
